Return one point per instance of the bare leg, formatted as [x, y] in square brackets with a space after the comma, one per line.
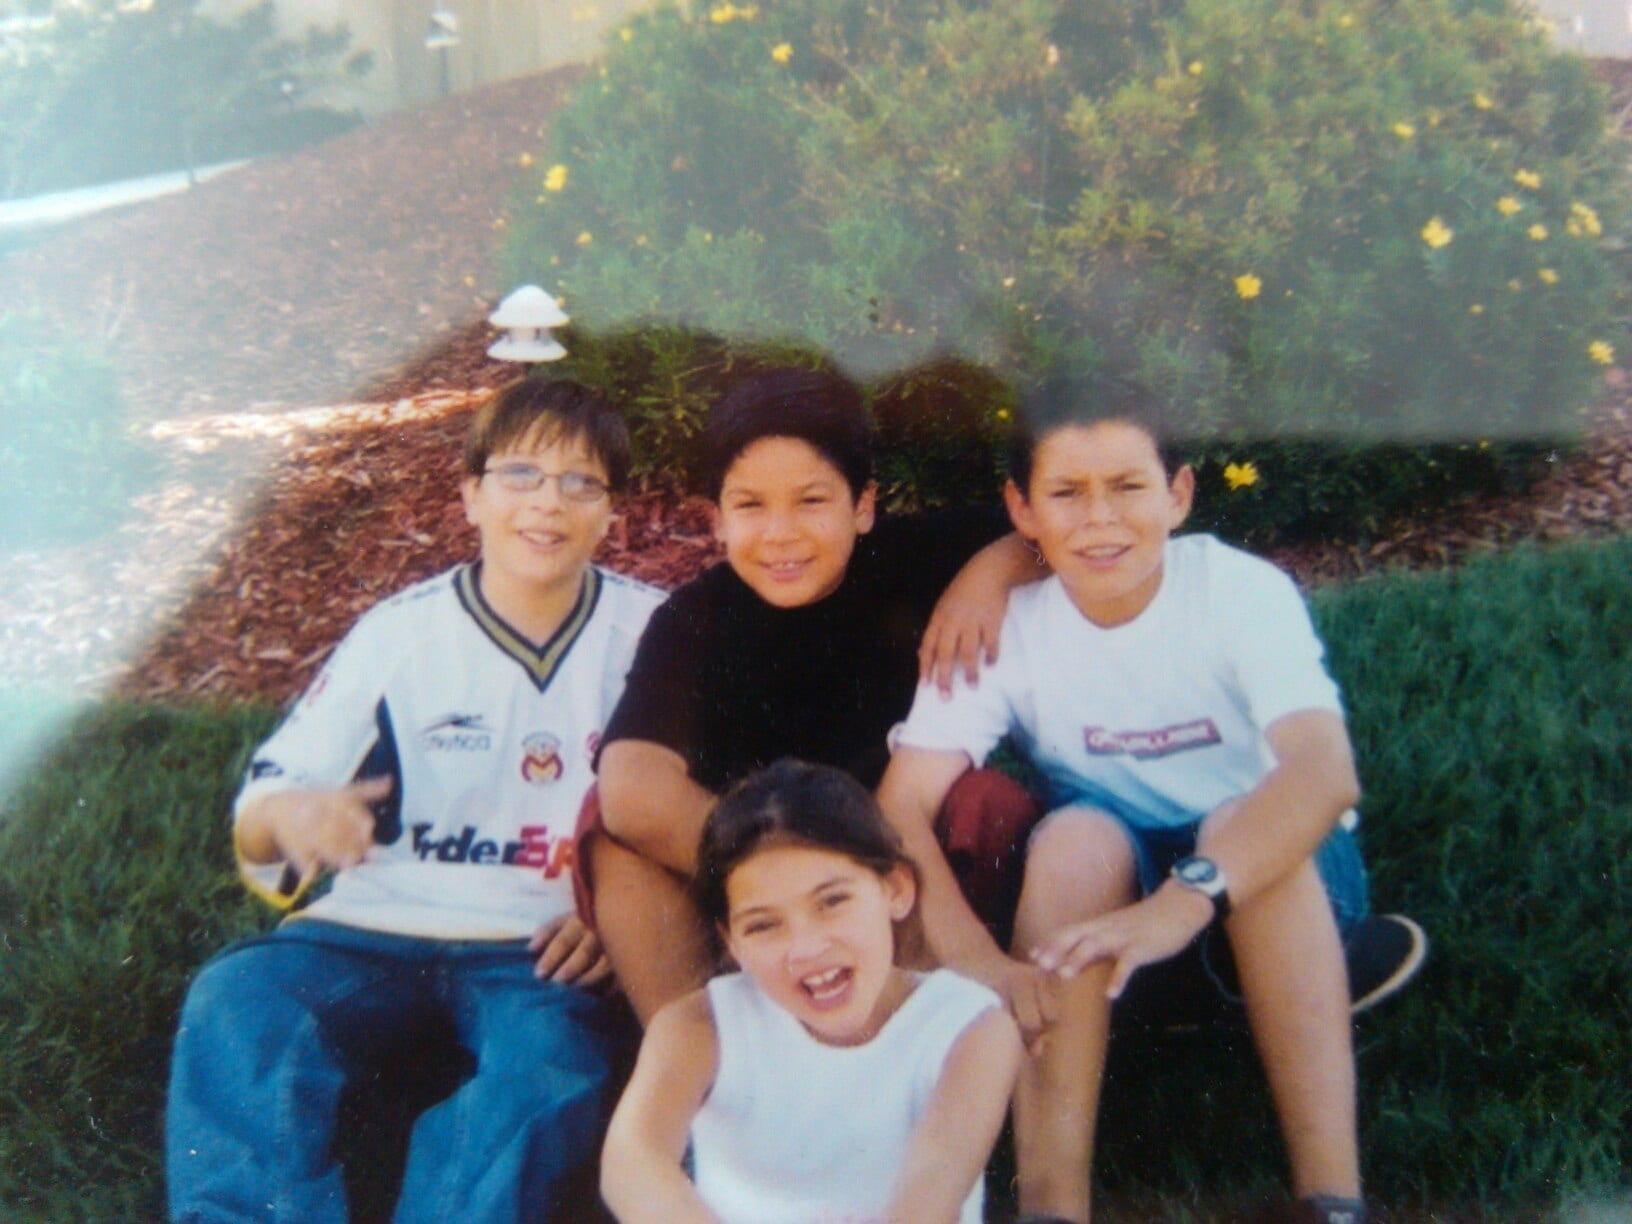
[652, 933]
[1080, 865]
[1300, 1023]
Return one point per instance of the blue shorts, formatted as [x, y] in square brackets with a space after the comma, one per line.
[1157, 847]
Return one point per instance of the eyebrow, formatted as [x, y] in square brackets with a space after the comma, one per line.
[750, 910]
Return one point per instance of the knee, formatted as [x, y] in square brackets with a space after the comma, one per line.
[1078, 847]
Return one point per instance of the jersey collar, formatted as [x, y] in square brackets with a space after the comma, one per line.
[539, 662]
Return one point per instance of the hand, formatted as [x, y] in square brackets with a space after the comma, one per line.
[1029, 992]
[1140, 934]
[330, 828]
[568, 952]
[962, 632]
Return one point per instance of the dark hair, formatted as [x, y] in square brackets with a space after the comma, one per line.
[791, 803]
[820, 407]
[1063, 400]
[544, 412]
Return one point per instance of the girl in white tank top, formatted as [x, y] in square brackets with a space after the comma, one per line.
[823, 1084]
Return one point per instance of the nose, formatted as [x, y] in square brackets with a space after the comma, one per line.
[548, 494]
[779, 525]
[806, 943]
[1097, 508]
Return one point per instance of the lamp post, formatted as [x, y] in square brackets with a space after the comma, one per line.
[527, 316]
[442, 37]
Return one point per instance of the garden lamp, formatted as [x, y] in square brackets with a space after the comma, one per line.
[527, 316]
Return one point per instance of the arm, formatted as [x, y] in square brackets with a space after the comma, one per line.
[910, 795]
[952, 1141]
[641, 1177]
[1256, 839]
[963, 630]
[650, 803]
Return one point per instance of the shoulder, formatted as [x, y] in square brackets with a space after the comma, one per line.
[415, 613]
[1219, 564]
[627, 602]
[949, 989]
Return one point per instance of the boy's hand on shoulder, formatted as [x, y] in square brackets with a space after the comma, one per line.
[331, 828]
[962, 633]
[568, 952]
[1145, 933]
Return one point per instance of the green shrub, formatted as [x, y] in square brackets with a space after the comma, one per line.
[1295, 224]
[116, 883]
[68, 461]
[108, 90]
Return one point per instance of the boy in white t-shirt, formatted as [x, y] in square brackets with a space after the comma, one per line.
[1172, 694]
[433, 772]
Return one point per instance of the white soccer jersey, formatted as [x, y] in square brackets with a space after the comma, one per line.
[491, 741]
[1159, 720]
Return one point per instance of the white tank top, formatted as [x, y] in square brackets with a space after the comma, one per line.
[798, 1132]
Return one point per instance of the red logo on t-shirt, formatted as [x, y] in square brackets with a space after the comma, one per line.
[541, 761]
[1146, 745]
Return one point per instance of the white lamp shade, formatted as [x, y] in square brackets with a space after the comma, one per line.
[528, 306]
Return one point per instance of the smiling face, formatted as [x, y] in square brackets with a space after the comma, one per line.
[1101, 507]
[815, 931]
[789, 521]
[536, 544]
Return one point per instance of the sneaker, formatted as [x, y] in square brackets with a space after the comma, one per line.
[1383, 952]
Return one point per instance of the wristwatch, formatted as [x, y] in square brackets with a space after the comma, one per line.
[1204, 876]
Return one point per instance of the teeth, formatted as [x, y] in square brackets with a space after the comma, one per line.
[818, 983]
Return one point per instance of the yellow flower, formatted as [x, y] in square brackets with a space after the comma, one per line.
[782, 52]
[585, 238]
[1345, 21]
[1527, 178]
[1404, 130]
[525, 160]
[1602, 352]
[1476, 309]
[1507, 206]
[1515, 285]
[626, 34]
[1482, 101]
[555, 179]
[1572, 227]
[1002, 414]
[1240, 475]
[723, 13]
[1537, 232]
[1587, 218]
[1248, 286]
[1547, 276]
[640, 239]
[1196, 68]
[1437, 234]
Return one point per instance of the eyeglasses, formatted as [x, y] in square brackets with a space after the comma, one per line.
[526, 478]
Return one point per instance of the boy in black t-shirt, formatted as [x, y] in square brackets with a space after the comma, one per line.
[805, 644]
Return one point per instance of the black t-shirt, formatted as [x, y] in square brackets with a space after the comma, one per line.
[732, 683]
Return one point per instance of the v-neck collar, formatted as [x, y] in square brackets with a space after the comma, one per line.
[539, 662]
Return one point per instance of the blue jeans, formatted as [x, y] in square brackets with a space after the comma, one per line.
[276, 1028]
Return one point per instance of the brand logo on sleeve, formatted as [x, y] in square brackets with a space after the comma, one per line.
[1148, 745]
[541, 761]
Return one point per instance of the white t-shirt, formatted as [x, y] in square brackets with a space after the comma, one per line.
[492, 742]
[798, 1132]
[1159, 720]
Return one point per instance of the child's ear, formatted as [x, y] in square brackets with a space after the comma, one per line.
[867, 508]
[1181, 491]
[1019, 509]
[901, 888]
[716, 522]
[467, 497]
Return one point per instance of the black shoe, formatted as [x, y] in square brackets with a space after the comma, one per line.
[1383, 954]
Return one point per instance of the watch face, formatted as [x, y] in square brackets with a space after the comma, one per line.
[1196, 871]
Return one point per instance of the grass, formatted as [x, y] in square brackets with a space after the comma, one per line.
[1490, 708]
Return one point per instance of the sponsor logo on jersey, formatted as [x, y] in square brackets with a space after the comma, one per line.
[457, 733]
[592, 745]
[541, 761]
[1147, 745]
[537, 848]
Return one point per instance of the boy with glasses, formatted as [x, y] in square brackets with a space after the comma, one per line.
[432, 772]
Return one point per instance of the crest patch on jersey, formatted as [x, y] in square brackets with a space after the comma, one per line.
[541, 761]
[1146, 745]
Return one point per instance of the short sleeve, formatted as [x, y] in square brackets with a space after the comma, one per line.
[1277, 659]
[662, 697]
[976, 716]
